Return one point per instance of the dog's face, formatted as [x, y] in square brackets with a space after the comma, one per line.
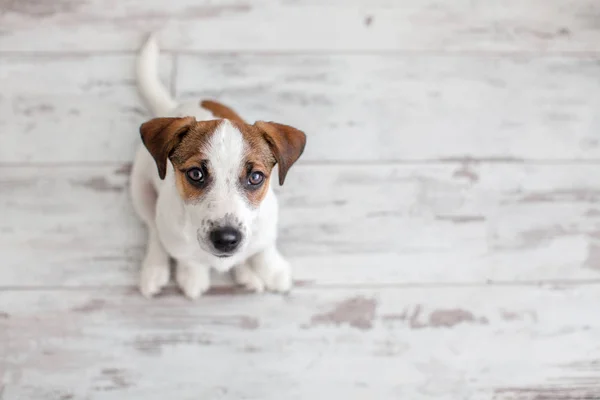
[222, 171]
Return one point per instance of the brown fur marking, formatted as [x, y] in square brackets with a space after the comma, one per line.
[259, 157]
[286, 143]
[219, 110]
[161, 136]
[182, 139]
[188, 154]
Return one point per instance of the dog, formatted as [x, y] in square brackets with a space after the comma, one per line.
[201, 184]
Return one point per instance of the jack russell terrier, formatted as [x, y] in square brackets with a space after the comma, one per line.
[201, 184]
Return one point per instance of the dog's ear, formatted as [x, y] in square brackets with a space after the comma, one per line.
[161, 135]
[286, 143]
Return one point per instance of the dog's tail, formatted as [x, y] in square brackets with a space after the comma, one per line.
[155, 94]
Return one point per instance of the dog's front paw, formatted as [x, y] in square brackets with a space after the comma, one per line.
[153, 278]
[279, 279]
[193, 279]
[244, 275]
[273, 270]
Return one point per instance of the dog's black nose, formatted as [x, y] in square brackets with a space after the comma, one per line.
[226, 239]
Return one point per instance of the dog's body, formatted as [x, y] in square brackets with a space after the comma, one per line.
[210, 205]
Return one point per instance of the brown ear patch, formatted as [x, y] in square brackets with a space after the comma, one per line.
[219, 110]
[161, 135]
[286, 143]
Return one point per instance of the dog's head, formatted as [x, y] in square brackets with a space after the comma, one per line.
[222, 170]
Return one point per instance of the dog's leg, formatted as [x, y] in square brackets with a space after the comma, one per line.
[155, 267]
[244, 275]
[193, 278]
[269, 267]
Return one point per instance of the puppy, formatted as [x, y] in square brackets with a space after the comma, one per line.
[201, 183]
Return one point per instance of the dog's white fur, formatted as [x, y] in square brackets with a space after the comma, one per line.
[175, 228]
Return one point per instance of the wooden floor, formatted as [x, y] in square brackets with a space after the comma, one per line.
[444, 223]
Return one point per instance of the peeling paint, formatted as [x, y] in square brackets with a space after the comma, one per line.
[90, 306]
[357, 312]
[223, 290]
[470, 160]
[99, 184]
[466, 172]
[303, 282]
[461, 219]
[118, 258]
[593, 257]
[414, 319]
[567, 392]
[518, 315]
[452, 317]
[113, 379]
[510, 316]
[249, 323]
[208, 11]
[38, 109]
[580, 195]
[395, 317]
[585, 365]
[11, 185]
[173, 291]
[153, 345]
[536, 237]
[124, 169]
[136, 111]
[440, 318]
[589, 142]
[39, 8]
[251, 349]
[379, 214]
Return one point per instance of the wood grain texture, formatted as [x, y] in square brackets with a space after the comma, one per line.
[353, 108]
[413, 107]
[444, 223]
[302, 25]
[67, 109]
[470, 343]
[424, 224]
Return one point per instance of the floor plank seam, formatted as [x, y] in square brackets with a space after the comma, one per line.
[333, 163]
[308, 285]
[310, 52]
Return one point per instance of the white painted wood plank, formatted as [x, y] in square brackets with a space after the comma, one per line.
[441, 343]
[71, 226]
[68, 109]
[353, 108]
[306, 25]
[413, 107]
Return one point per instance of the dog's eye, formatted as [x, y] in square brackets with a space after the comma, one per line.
[256, 178]
[195, 175]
